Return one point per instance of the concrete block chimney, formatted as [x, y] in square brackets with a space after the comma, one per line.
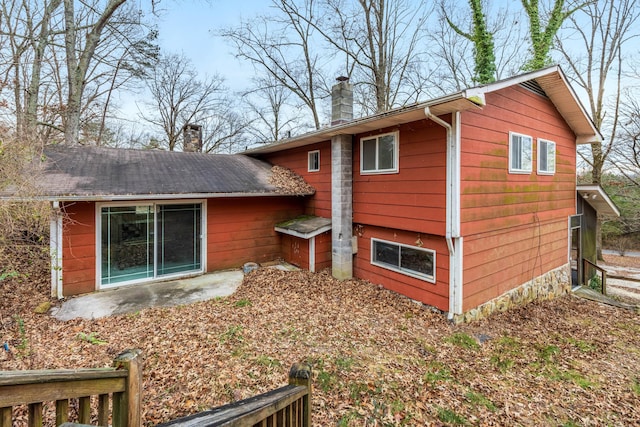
[342, 183]
[341, 101]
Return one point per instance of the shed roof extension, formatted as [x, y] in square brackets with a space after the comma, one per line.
[98, 173]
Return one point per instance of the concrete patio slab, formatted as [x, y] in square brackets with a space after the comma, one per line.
[134, 298]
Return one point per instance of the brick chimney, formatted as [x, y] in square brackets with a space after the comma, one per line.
[192, 138]
[341, 101]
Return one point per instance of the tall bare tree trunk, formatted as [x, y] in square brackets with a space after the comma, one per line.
[78, 65]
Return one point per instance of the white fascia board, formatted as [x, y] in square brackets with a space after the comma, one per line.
[303, 235]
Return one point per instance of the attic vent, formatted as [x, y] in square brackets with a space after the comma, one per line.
[534, 87]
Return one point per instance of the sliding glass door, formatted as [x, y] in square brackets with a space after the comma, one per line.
[179, 238]
[144, 242]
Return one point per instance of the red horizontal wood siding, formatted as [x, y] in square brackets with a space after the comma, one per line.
[514, 225]
[242, 230]
[296, 160]
[413, 198]
[491, 197]
[434, 294]
[78, 248]
[497, 262]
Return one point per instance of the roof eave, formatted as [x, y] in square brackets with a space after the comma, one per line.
[456, 102]
[595, 196]
[132, 197]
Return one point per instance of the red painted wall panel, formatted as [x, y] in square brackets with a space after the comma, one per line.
[78, 248]
[488, 190]
[323, 251]
[296, 160]
[242, 230]
[435, 294]
[514, 225]
[413, 198]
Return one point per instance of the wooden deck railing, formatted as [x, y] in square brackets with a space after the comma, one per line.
[288, 406]
[33, 388]
[595, 277]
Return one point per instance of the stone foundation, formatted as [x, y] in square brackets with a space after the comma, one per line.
[548, 286]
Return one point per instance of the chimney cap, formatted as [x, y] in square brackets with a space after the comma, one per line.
[342, 78]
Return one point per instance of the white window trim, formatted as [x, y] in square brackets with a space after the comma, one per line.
[426, 278]
[396, 158]
[520, 171]
[152, 203]
[547, 142]
[309, 154]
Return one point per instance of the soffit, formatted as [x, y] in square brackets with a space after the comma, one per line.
[595, 196]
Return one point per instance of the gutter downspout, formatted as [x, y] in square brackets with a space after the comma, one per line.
[453, 238]
[55, 249]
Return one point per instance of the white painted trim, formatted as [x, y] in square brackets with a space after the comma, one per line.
[309, 153]
[555, 157]
[456, 274]
[303, 235]
[454, 240]
[396, 154]
[520, 171]
[312, 254]
[55, 251]
[426, 278]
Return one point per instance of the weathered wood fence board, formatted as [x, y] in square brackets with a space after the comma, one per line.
[123, 382]
[288, 406]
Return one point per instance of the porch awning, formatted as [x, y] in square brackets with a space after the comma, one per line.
[598, 199]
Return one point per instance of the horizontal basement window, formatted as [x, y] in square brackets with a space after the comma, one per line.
[410, 260]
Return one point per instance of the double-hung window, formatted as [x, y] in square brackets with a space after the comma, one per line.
[546, 157]
[520, 153]
[405, 259]
[313, 163]
[379, 154]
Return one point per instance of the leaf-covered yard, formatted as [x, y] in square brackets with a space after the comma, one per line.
[378, 358]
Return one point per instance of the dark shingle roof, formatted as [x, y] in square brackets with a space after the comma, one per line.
[96, 172]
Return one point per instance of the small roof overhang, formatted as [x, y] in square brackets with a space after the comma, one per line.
[304, 227]
[595, 196]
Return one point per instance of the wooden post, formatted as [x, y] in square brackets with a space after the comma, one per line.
[103, 410]
[130, 411]
[35, 414]
[300, 375]
[84, 410]
[5, 417]
[62, 411]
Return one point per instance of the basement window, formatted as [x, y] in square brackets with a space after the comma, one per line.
[520, 153]
[410, 260]
[313, 161]
[546, 157]
[379, 154]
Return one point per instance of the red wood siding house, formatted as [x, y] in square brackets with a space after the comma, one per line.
[478, 200]
[465, 202]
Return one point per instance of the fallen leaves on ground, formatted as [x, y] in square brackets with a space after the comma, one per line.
[378, 358]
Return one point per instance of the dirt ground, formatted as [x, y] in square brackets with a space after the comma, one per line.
[378, 358]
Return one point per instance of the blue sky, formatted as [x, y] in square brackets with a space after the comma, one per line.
[190, 26]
